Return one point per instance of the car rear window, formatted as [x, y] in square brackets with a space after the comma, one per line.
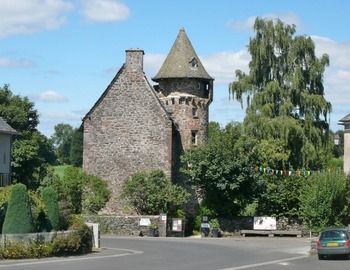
[335, 234]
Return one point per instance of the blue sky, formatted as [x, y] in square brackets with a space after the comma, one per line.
[62, 54]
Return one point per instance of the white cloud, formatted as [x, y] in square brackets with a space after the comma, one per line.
[6, 62]
[152, 64]
[104, 10]
[50, 96]
[247, 25]
[339, 52]
[223, 65]
[61, 116]
[30, 16]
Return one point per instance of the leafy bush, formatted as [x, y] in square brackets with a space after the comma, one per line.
[39, 212]
[152, 193]
[79, 242]
[50, 199]
[95, 194]
[325, 201]
[5, 193]
[18, 217]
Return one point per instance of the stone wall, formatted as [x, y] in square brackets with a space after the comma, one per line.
[235, 225]
[130, 225]
[125, 225]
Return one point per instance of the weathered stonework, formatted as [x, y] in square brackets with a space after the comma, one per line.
[135, 127]
[127, 130]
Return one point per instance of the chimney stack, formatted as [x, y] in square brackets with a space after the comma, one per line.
[134, 59]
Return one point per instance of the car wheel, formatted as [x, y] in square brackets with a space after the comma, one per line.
[320, 257]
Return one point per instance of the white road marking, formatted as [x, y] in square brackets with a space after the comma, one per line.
[265, 263]
[69, 259]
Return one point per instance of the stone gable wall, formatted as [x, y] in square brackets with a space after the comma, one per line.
[127, 131]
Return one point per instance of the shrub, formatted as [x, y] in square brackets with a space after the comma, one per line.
[50, 199]
[18, 217]
[95, 194]
[5, 193]
[151, 193]
[39, 212]
[77, 243]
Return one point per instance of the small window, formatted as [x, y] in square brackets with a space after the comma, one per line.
[194, 112]
[194, 134]
[4, 158]
[194, 63]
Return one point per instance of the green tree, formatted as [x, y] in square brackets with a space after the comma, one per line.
[62, 140]
[285, 96]
[32, 151]
[151, 193]
[50, 199]
[78, 191]
[18, 217]
[76, 151]
[223, 171]
[72, 188]
[325, 201]
[279, 195]
[95, 194]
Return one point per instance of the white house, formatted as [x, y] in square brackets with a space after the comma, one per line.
[6, 134]
[346, 122]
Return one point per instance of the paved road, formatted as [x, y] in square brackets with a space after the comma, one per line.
[135, 253]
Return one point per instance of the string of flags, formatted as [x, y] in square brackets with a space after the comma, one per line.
[271, 171]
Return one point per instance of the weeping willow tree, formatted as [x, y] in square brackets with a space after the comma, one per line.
[285, 105]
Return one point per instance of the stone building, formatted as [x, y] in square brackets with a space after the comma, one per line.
[136, 127]
[6, 134]
[346, 122]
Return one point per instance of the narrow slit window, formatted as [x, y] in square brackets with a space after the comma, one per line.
[194, 135]
[194, 112]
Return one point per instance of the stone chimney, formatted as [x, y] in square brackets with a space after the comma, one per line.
[134, 60]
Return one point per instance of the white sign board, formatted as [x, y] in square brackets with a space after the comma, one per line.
[264, 223]
[145, 222]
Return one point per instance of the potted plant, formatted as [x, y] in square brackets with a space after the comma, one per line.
[214, 227]
[152, 229]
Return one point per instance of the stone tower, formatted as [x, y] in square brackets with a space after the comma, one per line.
[186, 91]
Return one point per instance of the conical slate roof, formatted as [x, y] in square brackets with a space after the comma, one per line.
[182, 61]
[6, 128]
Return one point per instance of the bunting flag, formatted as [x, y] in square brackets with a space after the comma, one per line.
[271, 171]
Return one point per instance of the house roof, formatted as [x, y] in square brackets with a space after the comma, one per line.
[6, 128]
[345, 119]
[182, 61]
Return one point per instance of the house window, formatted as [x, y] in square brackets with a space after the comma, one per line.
[4, 158]
[194, 135]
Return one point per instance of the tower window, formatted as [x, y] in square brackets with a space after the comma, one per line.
[194, 135]
[194, 63]
[194, 112]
